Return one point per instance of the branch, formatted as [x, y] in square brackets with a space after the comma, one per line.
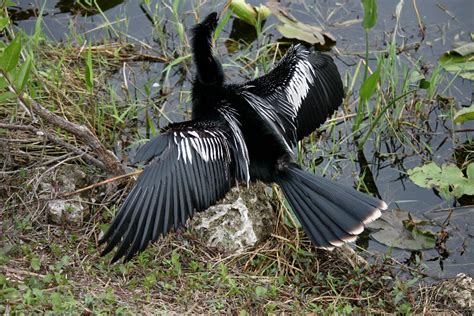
[95, 185]
[108, 161]
[57, 141]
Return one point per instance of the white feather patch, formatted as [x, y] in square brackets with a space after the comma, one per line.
[300, 83]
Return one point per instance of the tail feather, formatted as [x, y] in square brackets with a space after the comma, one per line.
[334, 219]
[320, 237]
[337, 218]
[330, 213]
[333, 192]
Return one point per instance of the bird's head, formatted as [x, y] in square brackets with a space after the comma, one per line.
[210, 21]
[208, 25]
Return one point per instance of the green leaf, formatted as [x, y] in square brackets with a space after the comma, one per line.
[56, 300]
[249, 13]
[150, 123]
[464, 50]
[3, 83]
[448, 179]
[463, 115]
[11, 55]
[6, 95]
[460, 61]
[23, 74]
[369, 85]
[261, 291]
[301, 33]
[223, 21]
[294, 29]
[400, 229]
[370, 14]
[35, 264]
[424, 84]
[415, 76]
[4, 21]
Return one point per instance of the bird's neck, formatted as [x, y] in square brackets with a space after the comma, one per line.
[208, 68]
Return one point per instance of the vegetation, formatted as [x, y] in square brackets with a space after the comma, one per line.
[59, 107]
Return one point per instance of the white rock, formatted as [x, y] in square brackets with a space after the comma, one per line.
[242, 219]
[65, 211]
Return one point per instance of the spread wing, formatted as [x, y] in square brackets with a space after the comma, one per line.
[298, 95]
[191, 166]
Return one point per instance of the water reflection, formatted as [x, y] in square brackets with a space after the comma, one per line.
[86, 8]
[17, 13]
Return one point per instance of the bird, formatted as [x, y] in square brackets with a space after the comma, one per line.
[241, 133]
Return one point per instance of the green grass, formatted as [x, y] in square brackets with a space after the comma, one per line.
[68, 276]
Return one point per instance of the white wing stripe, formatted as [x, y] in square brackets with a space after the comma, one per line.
[229, 115]
[299, 85]
[188, 150]
[212, 148]
[193, 133]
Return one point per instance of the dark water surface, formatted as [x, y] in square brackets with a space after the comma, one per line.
[446, 22]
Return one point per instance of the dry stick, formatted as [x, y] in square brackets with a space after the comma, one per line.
[92, 186]
[84, 155]
[420, 22]
[111, 164]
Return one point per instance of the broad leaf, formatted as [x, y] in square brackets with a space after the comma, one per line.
[368, 86]
[3, 83]
[294, 29]
[370, 14]
[4, 21]
[463, 115]
[11, 55]
[399, 229]
[249, 13]
[6, 95]
[448, 179]
[460, 61]
[23, 74]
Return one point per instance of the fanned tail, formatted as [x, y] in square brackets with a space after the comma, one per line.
[330, 213]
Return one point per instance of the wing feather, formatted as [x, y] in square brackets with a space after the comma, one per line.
[190, 166]
[297, 95]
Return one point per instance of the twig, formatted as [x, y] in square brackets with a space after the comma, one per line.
[23, 272]
[420, 22]
[111, 163]
[464, 130]
[92, 186]
[87, 157]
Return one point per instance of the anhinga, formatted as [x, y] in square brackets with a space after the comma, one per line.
[241, 133]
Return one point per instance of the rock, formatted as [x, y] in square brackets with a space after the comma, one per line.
[65, 211]
[244, 218]
[458, 291]
[64, 179]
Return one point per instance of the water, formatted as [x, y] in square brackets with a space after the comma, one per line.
[446, 22]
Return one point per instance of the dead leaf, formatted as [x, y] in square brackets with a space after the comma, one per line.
[294, 29]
